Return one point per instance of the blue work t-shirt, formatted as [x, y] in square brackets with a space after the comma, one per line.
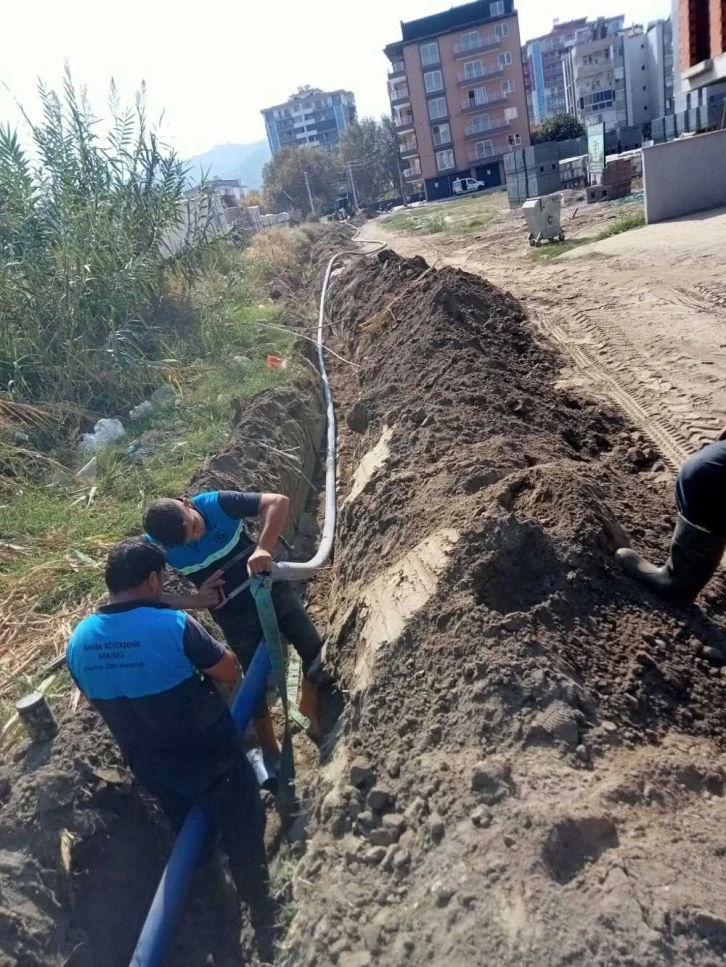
[140, 664]
[701, 488]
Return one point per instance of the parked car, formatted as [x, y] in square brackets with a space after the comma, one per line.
[463, 186]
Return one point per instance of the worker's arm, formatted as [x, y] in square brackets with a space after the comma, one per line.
[208, 655]
[273, 515]
[209, 595]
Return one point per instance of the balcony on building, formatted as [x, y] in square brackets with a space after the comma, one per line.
[490, 153]
[408, 147]
[473, 76]
[399, 94]
[480, 100]
[487, 42]
[403, 121]
[413, 170]
[396, 68]
[485, 127]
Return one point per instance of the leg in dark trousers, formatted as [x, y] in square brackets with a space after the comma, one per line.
[244, 632]
[234, 806]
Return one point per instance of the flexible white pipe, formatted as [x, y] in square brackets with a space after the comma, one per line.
[290, 570]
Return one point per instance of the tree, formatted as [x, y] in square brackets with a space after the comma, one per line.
[283, 179]
[561, 127]
[360, 153]
[253, 198]
[389, 142]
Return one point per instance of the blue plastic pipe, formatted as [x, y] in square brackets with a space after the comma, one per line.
[169, 898]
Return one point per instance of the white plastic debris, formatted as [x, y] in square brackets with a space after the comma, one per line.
[104, 433]
[143, 409]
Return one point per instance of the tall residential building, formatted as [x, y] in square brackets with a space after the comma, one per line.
[699, 40]
[648, 58]
[620, 79]
[310, 116]
[457, 95]
[594, 76]
[544, 56]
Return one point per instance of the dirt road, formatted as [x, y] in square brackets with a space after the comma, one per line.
[641, 316]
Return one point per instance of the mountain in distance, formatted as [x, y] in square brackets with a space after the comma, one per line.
[243, 161]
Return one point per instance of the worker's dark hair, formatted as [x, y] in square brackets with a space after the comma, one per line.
[164, 522]
[131, 562]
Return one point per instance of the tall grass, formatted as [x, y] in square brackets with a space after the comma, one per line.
[86, 314]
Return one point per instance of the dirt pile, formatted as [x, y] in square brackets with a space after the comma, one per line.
[526, 766]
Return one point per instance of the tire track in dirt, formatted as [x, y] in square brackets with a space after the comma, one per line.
[665, 432]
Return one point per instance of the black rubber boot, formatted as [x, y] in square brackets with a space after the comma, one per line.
[695, 555]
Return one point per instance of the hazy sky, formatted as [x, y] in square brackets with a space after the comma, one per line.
[212, 68]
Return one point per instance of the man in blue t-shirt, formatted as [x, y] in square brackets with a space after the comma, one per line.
[699, 539]
[150, 671]
[206, 541]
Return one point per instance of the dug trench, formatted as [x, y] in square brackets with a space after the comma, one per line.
[529, 769]
[81, 847]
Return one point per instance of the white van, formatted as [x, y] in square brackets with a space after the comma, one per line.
[463, 186]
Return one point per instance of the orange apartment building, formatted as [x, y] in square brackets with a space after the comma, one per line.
[458, 98]
[700, 41]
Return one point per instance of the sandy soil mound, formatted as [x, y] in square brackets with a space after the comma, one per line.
[527, 772]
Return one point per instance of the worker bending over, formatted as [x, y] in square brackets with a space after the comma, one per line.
[150, 671]
[700, 536]
[206, 541]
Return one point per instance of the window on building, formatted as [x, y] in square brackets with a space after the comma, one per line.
[484, 149]
[496, 9]
[437, 108]
[433, 81]
[502, 30]
[470, 40]
[511, 113]
[505, 58]
[480, 122]
[441, 133]
[514, 140]
[473, 68]
[429, 53]
[507, 87]
[445, 159]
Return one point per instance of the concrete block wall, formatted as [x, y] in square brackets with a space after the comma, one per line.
[684, 176]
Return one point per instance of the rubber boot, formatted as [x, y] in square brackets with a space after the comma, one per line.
[268, 740]
[310, 705]
[253, 890]
[695, 555]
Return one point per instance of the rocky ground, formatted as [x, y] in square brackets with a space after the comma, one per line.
[529, 769]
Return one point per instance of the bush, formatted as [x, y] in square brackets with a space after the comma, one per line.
[86, 311]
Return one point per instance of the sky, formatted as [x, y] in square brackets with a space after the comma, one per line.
[209, 71]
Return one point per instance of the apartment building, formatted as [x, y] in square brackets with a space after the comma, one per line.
[594, 76]
[699, 41]
[620, 79]
[457, 95]
[310, 116]
[543, 57]
[648, 59]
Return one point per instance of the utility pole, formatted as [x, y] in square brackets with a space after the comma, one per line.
[352, 185]
[310, 194]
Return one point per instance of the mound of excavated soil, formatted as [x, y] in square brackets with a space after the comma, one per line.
[527, 773]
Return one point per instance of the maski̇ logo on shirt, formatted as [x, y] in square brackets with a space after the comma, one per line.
[220, 537]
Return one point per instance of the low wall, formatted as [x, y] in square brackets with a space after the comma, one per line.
[684, 176]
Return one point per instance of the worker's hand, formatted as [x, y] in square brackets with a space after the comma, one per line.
[259, 562]
[210, 593]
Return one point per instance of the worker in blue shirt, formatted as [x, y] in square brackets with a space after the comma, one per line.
[206, 541]
[699, 539]
[151, 672]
